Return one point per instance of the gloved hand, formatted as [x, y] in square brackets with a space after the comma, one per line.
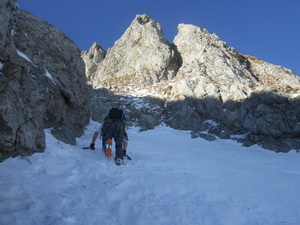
[92, 146]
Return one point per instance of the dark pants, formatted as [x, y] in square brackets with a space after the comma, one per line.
[114, 130]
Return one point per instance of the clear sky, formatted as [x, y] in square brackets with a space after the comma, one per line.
[267, 29]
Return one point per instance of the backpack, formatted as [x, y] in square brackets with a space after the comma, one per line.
[116, 114]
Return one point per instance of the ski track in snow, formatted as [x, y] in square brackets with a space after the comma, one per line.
[171, 180]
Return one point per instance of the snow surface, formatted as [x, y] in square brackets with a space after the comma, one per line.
[172, 180]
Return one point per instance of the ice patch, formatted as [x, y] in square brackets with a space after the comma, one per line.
[47, 74]
[211, 122]
[21, 54]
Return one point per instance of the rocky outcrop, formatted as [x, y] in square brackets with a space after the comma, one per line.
[59, 59]
[141, 57]
[210, 68]
[92, 59]
[272, 75]
[6, 20]
[201, 84]
[43, 83]
[242, 94]
[211, 83]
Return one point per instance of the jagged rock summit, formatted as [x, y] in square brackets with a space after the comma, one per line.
[141, 57]
[92, 58]
[200, 83]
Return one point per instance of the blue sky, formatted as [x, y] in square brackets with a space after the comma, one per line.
[267, 29]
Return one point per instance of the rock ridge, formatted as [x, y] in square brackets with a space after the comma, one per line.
[224, 94]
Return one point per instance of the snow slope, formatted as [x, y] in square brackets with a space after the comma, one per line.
[171, 180]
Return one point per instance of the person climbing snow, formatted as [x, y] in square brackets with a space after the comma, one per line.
[113, 127]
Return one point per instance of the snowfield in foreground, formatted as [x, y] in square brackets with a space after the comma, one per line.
[171, 180]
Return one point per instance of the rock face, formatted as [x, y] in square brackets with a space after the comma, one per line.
[210, 67]
[201, 84]
[213, 76]
[272, 118]
[43, 82]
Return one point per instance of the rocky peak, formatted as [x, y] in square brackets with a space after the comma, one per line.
[91, 59]
[210, 67]
[141, 57]
[199, 83]
[143, 19]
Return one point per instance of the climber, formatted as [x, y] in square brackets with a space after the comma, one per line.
[113, 127]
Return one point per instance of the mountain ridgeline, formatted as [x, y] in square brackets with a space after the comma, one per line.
[198, 83]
